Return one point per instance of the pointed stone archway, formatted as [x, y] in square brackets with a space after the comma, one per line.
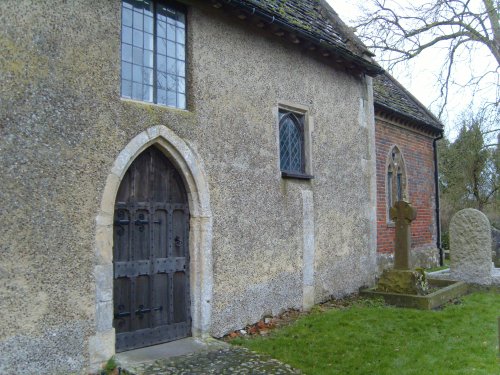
[190, 166]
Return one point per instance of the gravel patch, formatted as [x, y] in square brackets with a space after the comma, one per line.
[232, 360]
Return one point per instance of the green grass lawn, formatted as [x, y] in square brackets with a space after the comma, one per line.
[370, 338]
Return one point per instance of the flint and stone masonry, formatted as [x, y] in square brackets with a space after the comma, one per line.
[259, 243]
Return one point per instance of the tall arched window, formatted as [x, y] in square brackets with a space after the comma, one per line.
[396, 178]
[291, 130]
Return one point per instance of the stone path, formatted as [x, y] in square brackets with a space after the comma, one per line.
[228, 360]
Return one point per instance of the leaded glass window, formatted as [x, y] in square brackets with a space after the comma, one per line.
[399, 186]
[153, 53]
[389, 188]
[291, 133]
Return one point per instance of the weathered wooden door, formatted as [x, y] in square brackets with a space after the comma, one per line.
[151, 254]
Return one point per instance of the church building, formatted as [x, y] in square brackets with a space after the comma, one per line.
[186, 168]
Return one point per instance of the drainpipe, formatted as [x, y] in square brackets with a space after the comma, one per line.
[438, 218]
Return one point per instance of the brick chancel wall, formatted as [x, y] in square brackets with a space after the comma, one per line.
[417, 151]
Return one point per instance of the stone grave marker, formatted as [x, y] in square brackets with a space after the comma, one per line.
[470, 247]
[402, 279]
[402, 213]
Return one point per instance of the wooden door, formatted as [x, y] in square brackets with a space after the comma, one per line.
[151, 254]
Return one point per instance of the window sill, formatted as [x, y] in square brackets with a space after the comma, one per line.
[162, 106]
[391, 224]
[299, 176]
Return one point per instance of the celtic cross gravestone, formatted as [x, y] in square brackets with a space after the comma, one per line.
[402, 213]
[402, 279]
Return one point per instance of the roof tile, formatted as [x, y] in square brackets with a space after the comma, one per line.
[389, 94]
[319, 23]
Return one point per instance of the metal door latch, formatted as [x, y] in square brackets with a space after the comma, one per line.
[141, 310]
[178, 241]
[121, 314]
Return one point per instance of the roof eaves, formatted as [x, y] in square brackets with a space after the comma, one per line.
[369, 67]
[417, 122]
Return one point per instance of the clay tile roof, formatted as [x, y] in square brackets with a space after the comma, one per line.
[306, 15]
[390, 96]
[316, 21]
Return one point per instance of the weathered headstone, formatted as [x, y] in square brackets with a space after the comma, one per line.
[402, 279]
[470, 247]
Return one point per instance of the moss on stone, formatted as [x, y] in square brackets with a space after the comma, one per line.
[404, 282]
[25, 65]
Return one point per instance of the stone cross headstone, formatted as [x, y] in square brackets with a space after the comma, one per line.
[402, 279]
[470, 247]
[402, 213]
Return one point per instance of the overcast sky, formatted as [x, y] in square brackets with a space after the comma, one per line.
[419, 77]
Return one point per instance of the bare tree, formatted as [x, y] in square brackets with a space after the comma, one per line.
[463, 27]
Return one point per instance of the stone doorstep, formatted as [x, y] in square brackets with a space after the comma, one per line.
[136, 358]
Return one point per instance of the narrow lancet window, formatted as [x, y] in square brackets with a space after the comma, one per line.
[291, 131]
[396, 179]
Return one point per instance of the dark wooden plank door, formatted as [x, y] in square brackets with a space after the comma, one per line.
[151, 254]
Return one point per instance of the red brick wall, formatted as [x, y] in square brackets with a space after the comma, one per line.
[417, 153]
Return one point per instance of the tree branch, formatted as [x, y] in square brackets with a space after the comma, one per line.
[403, 33]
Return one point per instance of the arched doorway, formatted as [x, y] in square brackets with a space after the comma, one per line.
[151, 254]
[191, 168]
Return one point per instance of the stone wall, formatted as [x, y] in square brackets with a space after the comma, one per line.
[417, 151]
[63, 127]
